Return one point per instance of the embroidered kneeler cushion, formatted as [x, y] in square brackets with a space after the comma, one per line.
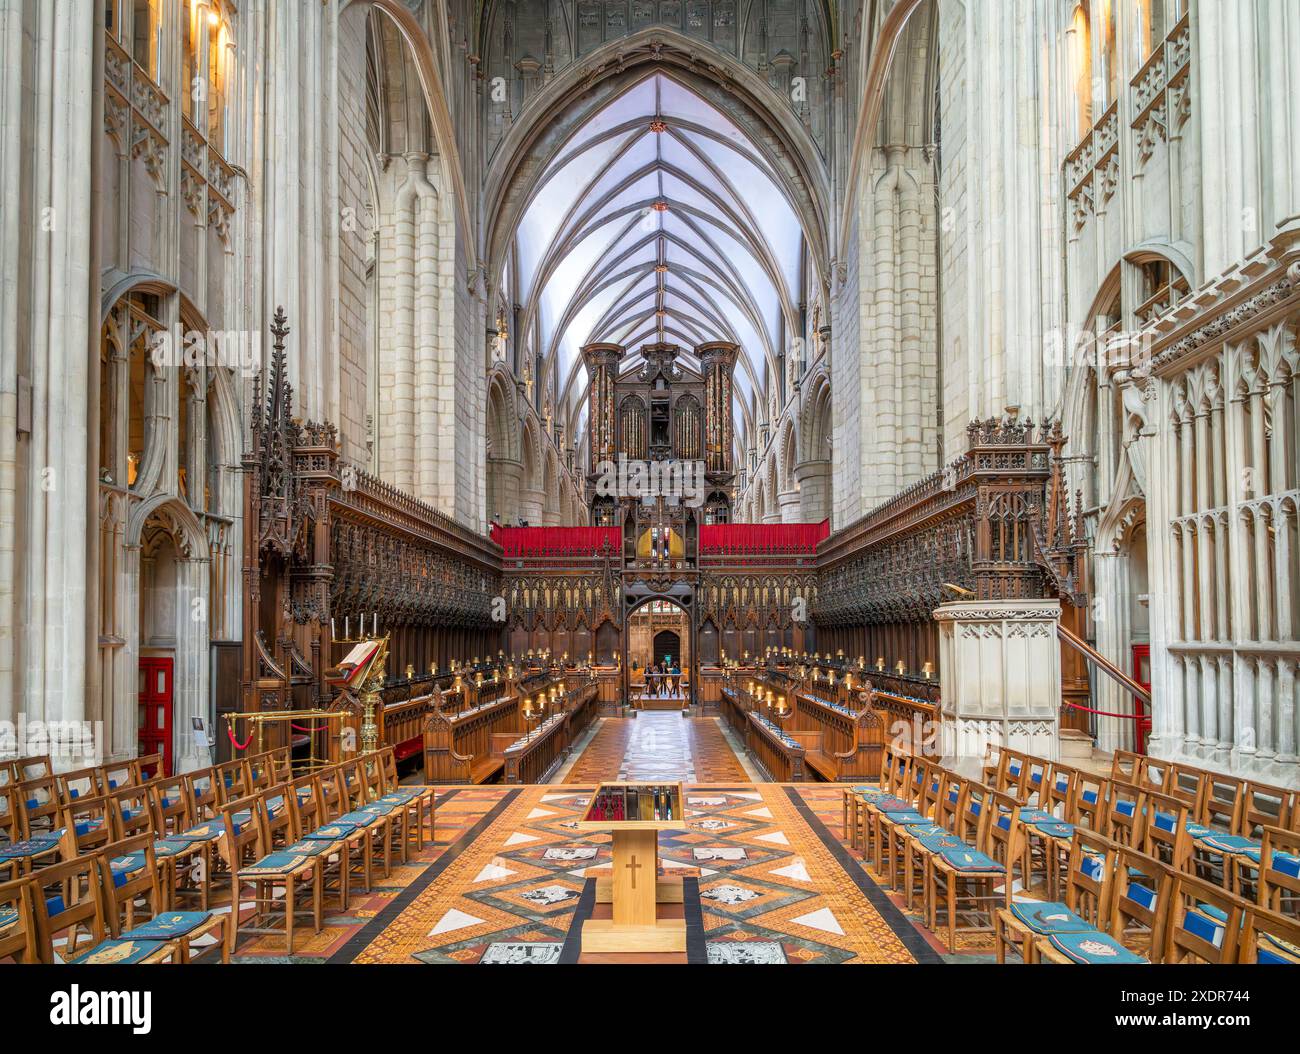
[1045, 918]
[360, 818]
[168, 926]
[969, 860]
[309, 847]
[1092, 947]
[1232, 844]
[906, 818]
[123, 867]
[207, 832]
[1054, 829]
[938, 843]
[165, 847]
[332, 832]
[27, 847]
[274, 864]
[1029, 815]
[119, 952]
[890, 803]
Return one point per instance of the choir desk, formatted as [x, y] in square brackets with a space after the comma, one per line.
[635, 887]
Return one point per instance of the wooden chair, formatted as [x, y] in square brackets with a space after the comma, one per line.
[132, 812]
[40, 804]
[130, 875]
[116, 774]
[396, 806]
[29, 768]
[202, 794]
[1267, 937]
[1277, 871]
[1056, 791]
[80, 783]
[1088, 877]
[334, 804]
[425, 795]
[376, 821]
[170, 800]
[1126, 766]
[1089, 795]
[1124, 813]
[68, 899]
[1202, 924]
[19, 850]
[1139, 901]
[132, 881]
[147, 767]
[18, 939]
[306, 812]
[1164, 830]
[965, 880]
[266, 873]
[231, 781]
[89, 821]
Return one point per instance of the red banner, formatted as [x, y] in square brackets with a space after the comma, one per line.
[555, 541]
[748, 539]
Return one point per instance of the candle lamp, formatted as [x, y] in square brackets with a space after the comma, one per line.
[880, 664]
[927, 669]
[900, 668]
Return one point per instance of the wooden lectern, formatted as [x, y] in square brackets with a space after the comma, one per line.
[635, 887]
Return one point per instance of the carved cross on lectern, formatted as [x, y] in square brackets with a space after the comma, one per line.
[634, 867]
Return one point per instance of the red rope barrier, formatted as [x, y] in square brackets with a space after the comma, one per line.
[301, 728]
[237, 744]
[1103, 713]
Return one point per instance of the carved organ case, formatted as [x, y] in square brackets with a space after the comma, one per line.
[665, 406]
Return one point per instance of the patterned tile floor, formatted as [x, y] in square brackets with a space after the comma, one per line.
[769, 876]
[772, 884]
[658, 746]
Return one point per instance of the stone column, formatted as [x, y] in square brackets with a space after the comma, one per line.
[190, 687]
[1000, 672]
[531, 502]
[788, 506]
[814, 490]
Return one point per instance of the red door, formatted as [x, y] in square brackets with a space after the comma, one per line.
[155, 709]
[1141, 674]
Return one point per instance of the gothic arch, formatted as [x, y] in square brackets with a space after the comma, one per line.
[502, 421]
[815, 419]
[191, 540]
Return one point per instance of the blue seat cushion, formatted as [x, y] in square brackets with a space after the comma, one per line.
[275, 864]
[905, 818]
[332, 832]
[938, 843]
[1057, 829]
[968, 860]
[1092, 947]
[118, 952]
[308, 847]
[890, 803]
[123, 867]
[27, 848]
[359, 818]
[1029, 815]
[164, 847]
[207, 832]
[168, 925]
[1053, 917]
[1231, 844]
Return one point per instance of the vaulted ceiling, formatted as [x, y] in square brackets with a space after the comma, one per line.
[659, 220]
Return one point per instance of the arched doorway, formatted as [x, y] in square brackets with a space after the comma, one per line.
[659, 643]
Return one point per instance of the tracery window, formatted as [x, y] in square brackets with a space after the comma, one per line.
[137, 26]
